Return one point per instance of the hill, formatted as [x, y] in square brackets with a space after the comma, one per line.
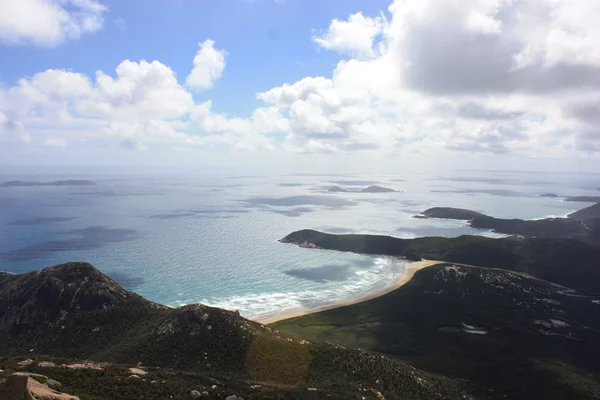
[377, 189]
[450, 213]
[74, 312]
[584, 228]
[521, 337]
[586, 213]
[569, 262]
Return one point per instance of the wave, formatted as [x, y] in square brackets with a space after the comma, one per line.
[380, 274]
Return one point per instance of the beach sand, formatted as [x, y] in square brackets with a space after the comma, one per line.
[411, 268]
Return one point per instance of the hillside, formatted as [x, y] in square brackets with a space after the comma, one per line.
[524, 338]
[569, 262]
[586, 213]
[75, 312]
[584, 228]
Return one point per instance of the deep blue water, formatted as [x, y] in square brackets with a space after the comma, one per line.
[185, 238]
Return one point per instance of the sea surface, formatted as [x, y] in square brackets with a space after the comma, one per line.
[180, 238]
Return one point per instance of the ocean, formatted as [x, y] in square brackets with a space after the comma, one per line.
[197, 238]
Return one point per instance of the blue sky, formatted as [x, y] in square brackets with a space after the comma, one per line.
[301, 82]
[268, 43]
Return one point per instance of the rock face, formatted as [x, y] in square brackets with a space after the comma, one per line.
[24, 386]
[46, 294]
[451, 213]
[55, 183]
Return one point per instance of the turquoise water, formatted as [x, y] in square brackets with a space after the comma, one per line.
[179, 239]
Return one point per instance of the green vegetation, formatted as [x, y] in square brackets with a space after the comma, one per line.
[517, 335]
[582, 225]
[75, 312]
[587, 213]
[569, 262]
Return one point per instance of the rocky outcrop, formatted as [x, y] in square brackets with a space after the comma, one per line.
[51, 292]
[27, 386]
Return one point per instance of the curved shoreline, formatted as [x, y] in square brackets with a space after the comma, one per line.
[401, 279]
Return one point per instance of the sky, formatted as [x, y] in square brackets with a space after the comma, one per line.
[301, 84]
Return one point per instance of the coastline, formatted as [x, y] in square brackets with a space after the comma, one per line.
[287, 313]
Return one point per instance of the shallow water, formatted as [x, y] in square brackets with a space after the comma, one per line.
[179, 239]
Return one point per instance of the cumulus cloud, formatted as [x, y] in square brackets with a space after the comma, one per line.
[48, 23]
[354, 36]
[209, 63]
[483, 77]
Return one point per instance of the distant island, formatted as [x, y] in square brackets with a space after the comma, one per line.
[369, 189]
[549, 195]
[54, 183]
[450, 213]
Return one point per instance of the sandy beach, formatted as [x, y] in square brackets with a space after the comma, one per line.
[411, 268]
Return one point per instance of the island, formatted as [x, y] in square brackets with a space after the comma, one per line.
[377, 189]
[337, 189]
[549, 195]
[449, 213]
[369, 189]
[54, 183]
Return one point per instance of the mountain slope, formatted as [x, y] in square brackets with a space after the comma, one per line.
[524, 338]
[76, 312]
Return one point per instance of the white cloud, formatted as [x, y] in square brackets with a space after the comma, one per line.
[483, 78]
[354, 36]
[48, 23]
[209, 63]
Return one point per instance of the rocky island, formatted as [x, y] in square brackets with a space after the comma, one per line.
[55, 183]
[369, 189]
